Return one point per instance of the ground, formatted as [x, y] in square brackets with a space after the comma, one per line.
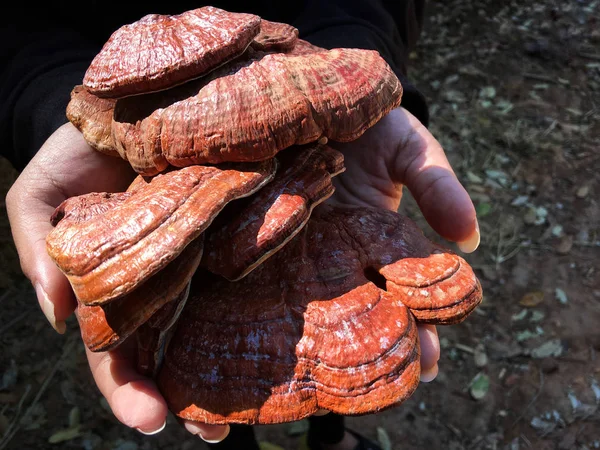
[514, 94]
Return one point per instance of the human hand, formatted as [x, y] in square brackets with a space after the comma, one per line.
[399, 151]
[64, 167]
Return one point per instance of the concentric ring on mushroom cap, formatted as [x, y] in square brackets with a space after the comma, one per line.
[108, 255]
[161, 51]
[249, 111]
[314, 327]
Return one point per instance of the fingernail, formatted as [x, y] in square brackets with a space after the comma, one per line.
[150, 433]
[48, 310]
[470, 244]
[321, 412]
[199, 431]
[429, 374]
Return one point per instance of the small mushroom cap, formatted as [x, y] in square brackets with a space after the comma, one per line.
[139, 232]
[93, 117]
[160, 51]
[249, 231]
[249, 111]
[153, 336]
[105, 327]
[275, 37]
[314, 326]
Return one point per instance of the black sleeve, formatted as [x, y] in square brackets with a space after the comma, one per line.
[391, 27]
[45, 52]
[41, 68]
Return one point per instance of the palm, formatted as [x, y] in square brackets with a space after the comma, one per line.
[399, 151]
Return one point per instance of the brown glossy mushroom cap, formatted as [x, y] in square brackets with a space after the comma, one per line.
[314, 326]
[139, 232]
[249, 231]
[161, 51]
[250, 111]
[93, 117]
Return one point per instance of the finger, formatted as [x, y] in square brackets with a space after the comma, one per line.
[209, 433]
[430, 352]
[133, 398]
[423, 167]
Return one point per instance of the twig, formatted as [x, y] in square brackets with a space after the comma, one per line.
[533, 400]
[14, 426]
[594, 56]
[8, 435]
[14, 321]
[535, 76]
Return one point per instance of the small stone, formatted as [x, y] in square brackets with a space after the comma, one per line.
[583, 192]
[480, 356]
[549, 365]
[561, 296]
[565, 245]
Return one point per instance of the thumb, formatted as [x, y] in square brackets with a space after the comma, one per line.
[29, 220]
[420, 164]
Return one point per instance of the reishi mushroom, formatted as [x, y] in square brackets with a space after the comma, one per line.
[290, 304]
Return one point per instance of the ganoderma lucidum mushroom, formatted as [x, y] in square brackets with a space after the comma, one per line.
[290, 305]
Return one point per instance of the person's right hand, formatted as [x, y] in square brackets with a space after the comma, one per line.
[64, 167]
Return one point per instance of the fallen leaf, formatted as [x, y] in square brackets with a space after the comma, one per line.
[384, 439]
[561, 296]
[537, 316]
[527, 334]
[487, 92]
[473, 178]
[74, 417]
[483, 209]
[264, 445]
[520, 200]
[519, 316]
[557, 230]
[532, 299]
[553, 347]
[543, 426]
[65, 435]
[479, 386]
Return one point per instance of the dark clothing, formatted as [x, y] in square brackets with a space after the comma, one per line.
[46, 50]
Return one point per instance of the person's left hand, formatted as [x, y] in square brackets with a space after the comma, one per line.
[399, 151]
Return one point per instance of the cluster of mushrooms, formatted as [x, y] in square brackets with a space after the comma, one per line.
[249, 303]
